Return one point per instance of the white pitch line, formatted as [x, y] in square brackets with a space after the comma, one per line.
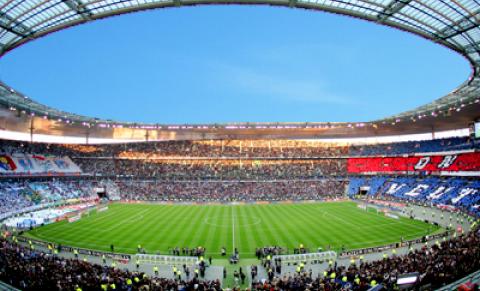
[233, 229]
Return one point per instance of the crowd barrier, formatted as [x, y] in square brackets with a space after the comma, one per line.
[114, 256]
[166, 260]
[378, 249]
[311, 258]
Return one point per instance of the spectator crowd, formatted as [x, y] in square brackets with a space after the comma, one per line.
[438, 265]
[34, 270]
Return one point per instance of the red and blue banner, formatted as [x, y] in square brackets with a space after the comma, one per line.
[464, 162]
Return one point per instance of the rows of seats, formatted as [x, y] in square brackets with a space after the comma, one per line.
[276, 148]
[218, 169]
[23, 193]
[462, 193]
[229, 191]
[408, 147]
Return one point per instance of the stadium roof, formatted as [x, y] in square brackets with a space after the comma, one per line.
[451, 23]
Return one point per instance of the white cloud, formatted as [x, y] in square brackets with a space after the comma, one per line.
[279, 87]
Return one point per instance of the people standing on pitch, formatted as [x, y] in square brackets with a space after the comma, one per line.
[242, 276]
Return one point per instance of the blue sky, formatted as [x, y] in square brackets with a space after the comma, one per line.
[216, 64]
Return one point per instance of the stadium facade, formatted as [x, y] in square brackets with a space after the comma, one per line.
[453, 24]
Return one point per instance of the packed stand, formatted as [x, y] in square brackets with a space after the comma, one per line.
[215, 169]
[438, 265]
[229, 191]
[17, 195]
[276, 148]
[272, 148]
[409, 147]
[462, 193]
[34, 270]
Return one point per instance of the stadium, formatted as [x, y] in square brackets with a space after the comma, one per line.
[97, 204]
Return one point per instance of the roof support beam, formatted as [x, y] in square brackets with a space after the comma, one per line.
[392, 8]
[10, 25]
[465, 24]
[472, 48]
[79, 7]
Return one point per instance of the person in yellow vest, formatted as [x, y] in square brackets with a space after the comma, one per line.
[394, 251]
[344, 279]
[302, 265]
[137, 262]
[362, 258]
[129, 282]
[385, 256]
[55, 251]
[352, 261]
[104, 259]
[112, 286]
[139, 248]
[136, 280]
[85, 259]
[32, 247]
[104, 287]
[333, 276]
[325, 274]
[179, 273]
[174, 271]
[114, 265]
[330, 262]
[155, 270]
[357, 281]
[75, 253]
[77, 288]
[373, 283]
[299, 269]
[196, 272]
[49, 246]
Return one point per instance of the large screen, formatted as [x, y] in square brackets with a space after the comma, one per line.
[476, 129]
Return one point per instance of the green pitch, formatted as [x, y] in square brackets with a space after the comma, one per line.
[158, 228]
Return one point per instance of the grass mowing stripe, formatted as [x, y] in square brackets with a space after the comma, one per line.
[196, 226]
[305, 225]
[245, 225]
[172, 228]
[158, 227]
[66, 234]
[283, 237]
